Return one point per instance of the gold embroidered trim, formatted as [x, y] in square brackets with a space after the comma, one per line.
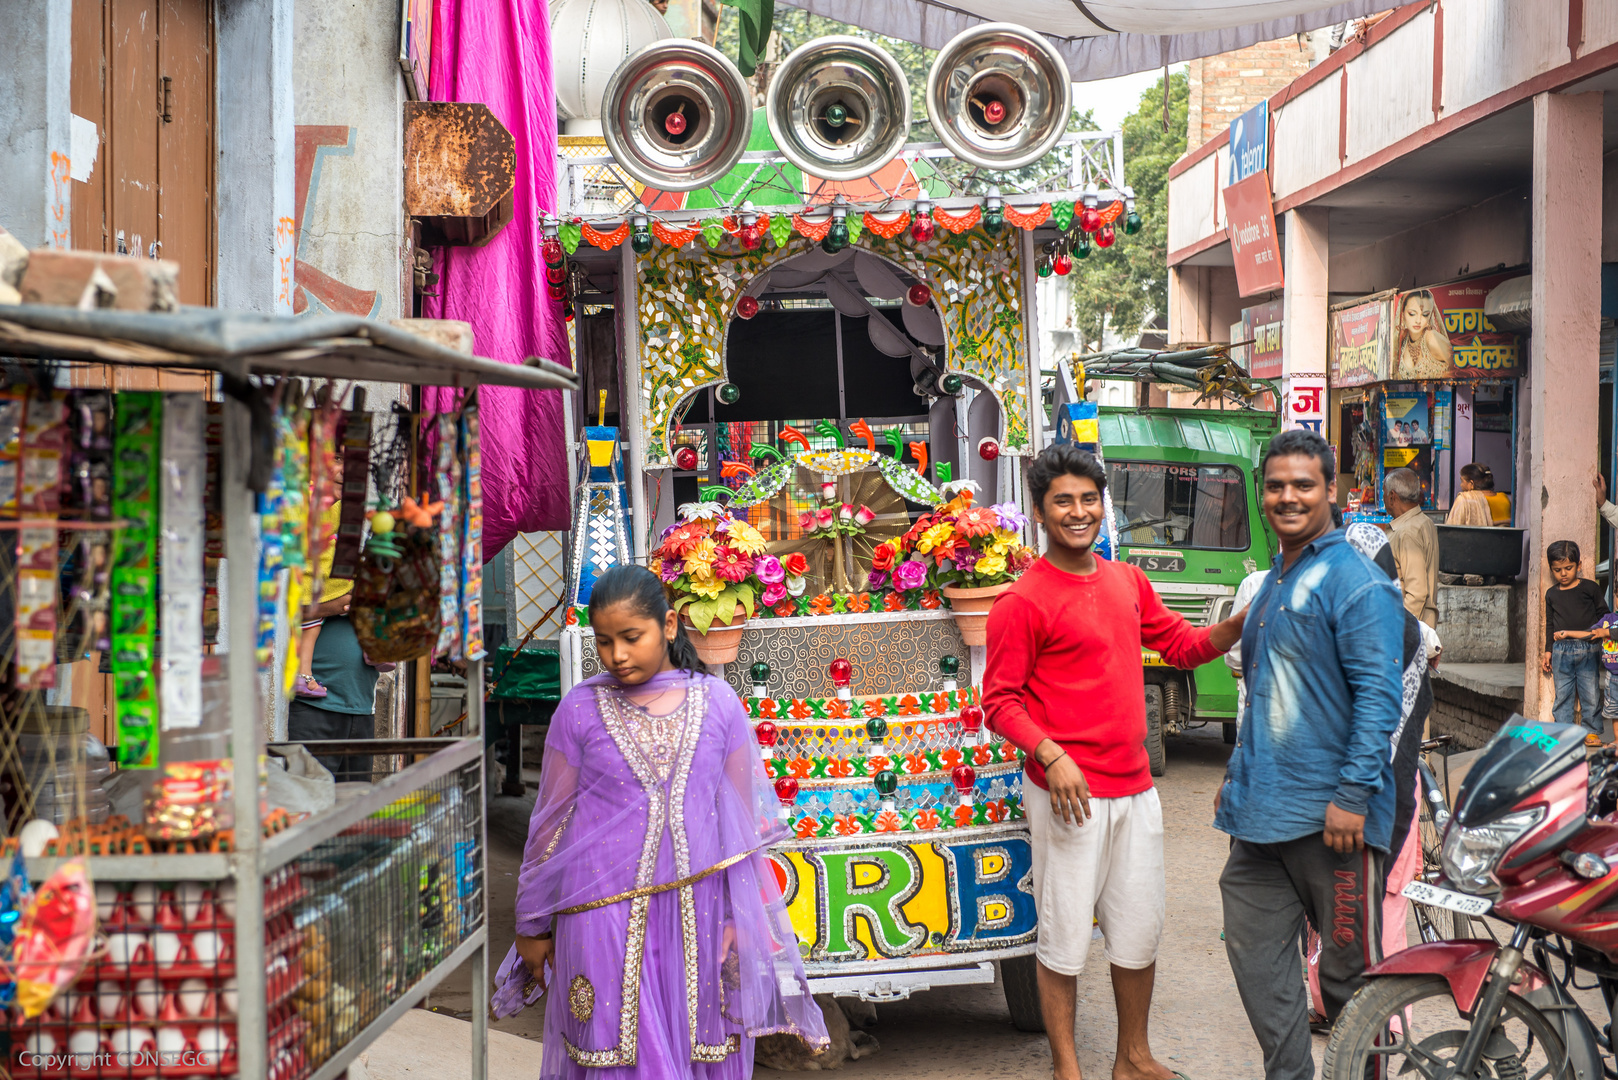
[556, 837]
[653, 890]
[581, 999]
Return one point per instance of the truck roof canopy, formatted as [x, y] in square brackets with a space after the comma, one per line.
[1236, 436]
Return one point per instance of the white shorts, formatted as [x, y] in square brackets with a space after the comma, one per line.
[1109, 869]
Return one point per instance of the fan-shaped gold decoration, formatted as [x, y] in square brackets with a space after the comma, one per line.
[841, 565]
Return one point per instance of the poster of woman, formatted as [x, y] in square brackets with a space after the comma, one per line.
[1422, 348]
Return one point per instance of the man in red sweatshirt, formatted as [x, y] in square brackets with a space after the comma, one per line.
[1064, 684]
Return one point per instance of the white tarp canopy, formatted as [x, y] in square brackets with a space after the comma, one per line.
[1100, 39]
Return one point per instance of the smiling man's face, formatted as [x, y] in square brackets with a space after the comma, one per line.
[1297, 499]
[1071, 512]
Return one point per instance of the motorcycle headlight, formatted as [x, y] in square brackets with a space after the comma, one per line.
[1470, 853]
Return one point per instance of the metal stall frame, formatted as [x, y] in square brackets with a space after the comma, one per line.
[237, 345]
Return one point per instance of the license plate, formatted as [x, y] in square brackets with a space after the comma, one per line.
[1423, 893]
[1158, 564]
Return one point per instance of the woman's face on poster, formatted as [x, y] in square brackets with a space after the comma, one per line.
[1416, 321]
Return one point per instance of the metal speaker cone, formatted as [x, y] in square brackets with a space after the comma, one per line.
[677, 115]
[999, 96]
[839, 108]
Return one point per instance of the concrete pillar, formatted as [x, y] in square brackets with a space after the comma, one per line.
[1188, 305]
[253, 174]
[36, 104]
[1304, 298]
[1564, 366]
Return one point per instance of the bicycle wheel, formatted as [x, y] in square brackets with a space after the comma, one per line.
[1434, 923]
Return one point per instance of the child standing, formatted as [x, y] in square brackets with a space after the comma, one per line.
[1572, 651]
[646, 901]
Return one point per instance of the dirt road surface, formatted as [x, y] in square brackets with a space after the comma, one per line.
[1198, 1026]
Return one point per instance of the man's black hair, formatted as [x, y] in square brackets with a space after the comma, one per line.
[1063, 459]
[1301, 441]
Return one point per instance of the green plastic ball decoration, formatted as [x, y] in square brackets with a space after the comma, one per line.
[951, 384]
[948, 666]
[760, 672]
[836, 115]
[876, 729]
[994, 220]
[640, 240]
[1043, 268]
[886, 781]
[1132, 224]
[1083, 251]
[836, 237]
[729, 393]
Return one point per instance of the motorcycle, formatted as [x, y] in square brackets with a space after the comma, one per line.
[1532, 841]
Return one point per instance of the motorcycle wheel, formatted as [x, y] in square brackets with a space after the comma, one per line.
[1524, 1045]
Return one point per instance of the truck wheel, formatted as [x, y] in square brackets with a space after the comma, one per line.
[1154, 729]
[1230, 733]
[1019, 978]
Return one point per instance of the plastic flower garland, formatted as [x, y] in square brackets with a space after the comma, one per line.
[957, 544]
[712, 563]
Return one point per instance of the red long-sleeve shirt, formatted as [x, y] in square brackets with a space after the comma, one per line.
[1064, 664]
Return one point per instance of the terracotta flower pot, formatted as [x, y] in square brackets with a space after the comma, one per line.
[722, 643]
[971, 610]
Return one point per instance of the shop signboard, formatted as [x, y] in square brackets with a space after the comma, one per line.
[1306, 403]
[1359, 341]
[1262, 326]
[1442, 333]
[1249, 143]
[1250, 224]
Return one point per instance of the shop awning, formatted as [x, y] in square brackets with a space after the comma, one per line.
[243, 343]
[1100, 39]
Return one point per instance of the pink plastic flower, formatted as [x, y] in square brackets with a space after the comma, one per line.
[864, 516]
[671, 570]
[828, 490]
[845, 513]
[806, 521]
[731, 565]
[976, 521]
[773, 594]
[876, 579]
[909, 575]
[769, 569]
[826, 517]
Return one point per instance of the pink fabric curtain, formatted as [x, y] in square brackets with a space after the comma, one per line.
[499, 52]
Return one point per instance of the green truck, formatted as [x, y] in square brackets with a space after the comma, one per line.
[1186, 500]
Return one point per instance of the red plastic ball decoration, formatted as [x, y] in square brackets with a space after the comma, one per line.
[551, 252]
[766, 734]
[786, 790]
[1105, 237]
[751, 237]
[674, 123]
[963, 777]
[988, 449]
[972, 718]
[556, 274]
[557, 290]
[685, 458]
[747, 307]
[919, 295]
[841, 672]
[994, 111]
[923, 229]
[1089, 219]
[1062, 264]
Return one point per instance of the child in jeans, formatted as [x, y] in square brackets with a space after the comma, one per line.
[1574, 607]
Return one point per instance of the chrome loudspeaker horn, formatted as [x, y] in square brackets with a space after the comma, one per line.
[839, 108]
[677, 115]
[999, 96]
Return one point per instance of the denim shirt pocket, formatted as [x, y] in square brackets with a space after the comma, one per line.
[1292, 633]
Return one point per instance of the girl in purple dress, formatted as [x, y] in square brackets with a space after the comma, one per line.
[646, 902]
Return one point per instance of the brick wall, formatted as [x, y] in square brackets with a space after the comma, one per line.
[1471, 717]
[1225, 86]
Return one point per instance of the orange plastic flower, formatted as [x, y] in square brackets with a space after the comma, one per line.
[915, 763]
[820, 605]
[995, 811]
[876, 763]
[766, 709]
[807, 827]
[927, 820]
[837, 709]
[889, 821]
[786, 609]
[930, 600]
[800, 709]
[874, 707]
[976, 521]
[938, 703]
[963, 815]
[893, 602]
[839, 767]
[859, 603]
[847, 825]
[982, 755]
[909, 706]
[950, 758]
[801, 767]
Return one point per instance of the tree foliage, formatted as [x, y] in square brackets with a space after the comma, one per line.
[1123, 287]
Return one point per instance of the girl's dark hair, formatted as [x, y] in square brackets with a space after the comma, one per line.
[1478, 475]
[1562, 551]
[639, 588]
[1063, 459]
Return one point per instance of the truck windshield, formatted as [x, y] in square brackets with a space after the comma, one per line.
[1160, 503]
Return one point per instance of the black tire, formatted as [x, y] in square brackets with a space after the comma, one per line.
[1154, 729]
[1433, 1022]
[1230, 732]
[1436, 923]
[1019, 978]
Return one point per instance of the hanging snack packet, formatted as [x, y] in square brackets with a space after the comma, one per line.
[472, 537]
[356, 471]
[136, 457]
[447, 489]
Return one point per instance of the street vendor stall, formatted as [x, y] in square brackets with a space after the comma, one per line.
[210, 934]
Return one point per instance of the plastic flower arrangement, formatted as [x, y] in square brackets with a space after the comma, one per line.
[713, 563]
[957, 544]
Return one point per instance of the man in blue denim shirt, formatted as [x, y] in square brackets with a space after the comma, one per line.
[1308, 796]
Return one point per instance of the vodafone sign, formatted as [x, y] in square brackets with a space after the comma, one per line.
[1250, 224]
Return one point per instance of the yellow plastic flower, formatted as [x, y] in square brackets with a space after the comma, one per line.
[990, 565]
[936, 536]
[745, 539]
[699, 560]
[1003, 543]
[709, 586]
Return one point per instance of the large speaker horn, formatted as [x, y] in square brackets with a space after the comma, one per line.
[839, 108]
[677, 115]
[999, 96]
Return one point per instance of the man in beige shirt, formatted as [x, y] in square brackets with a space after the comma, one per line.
[1415, 544]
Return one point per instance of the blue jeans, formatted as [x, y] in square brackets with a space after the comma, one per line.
[1576, 666]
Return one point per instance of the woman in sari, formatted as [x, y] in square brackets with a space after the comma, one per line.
[646, 901]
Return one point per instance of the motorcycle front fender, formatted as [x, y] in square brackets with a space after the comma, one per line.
[1463, 963]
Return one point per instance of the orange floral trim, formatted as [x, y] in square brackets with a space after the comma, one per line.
[605, 241]
[958, 223]
[887, 230]
[1030, 219]
[816, 232]
[674, 237]
[1113, 212]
